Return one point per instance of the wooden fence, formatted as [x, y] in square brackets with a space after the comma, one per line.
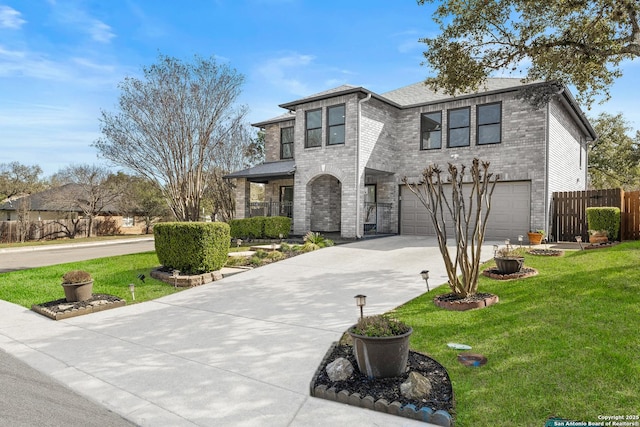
[570, 218]
[14, 231]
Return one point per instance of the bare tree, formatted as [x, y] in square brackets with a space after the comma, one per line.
[88, 189]
[170, 125]
[469, 215]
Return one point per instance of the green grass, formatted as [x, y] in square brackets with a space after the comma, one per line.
[111, 276]
[564, 343]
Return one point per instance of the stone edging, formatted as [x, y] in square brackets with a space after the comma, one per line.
[186, 281]
[100, 305]
[428, 415]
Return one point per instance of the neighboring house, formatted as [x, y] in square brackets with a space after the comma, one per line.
[57, 204]
[335, 162]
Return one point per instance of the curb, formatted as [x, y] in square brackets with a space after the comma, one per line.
[439, 417]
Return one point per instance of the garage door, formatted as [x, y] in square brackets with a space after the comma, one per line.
[509, 217]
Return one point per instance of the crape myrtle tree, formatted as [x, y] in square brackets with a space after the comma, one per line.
[575, 42]
[240, 151]
[169, 124]
[465, 202]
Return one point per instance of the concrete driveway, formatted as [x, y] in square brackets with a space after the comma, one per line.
[237, 352]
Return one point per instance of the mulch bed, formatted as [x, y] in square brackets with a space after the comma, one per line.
[441, 397]
[601, 245]
[494, 273]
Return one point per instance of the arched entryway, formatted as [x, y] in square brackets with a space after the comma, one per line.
[325, 205]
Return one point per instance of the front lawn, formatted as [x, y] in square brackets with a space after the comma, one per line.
[111, 276]
[564, 343]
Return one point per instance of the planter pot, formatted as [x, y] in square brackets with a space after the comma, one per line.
[75, 292]
[381, 357]
[598, 237]
[509, 265]
[535, 238]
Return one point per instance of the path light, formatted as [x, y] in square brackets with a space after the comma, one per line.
[520, 239]
[132, 289]
[361, 301]
[579, 240]
[239, 242]
[425, 276]
[141, 277]
[175, 274]
[495, 250]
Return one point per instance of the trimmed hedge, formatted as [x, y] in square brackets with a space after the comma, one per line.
[260, 227]
[192, 247]
[604, 218]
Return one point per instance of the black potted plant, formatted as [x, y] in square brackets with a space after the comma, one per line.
[508, 260]
[381, 346]
[77, 285]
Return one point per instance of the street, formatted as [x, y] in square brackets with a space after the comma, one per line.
[39, 256]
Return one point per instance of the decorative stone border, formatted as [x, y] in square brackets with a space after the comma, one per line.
[464, 305]
[524, 272]
[427, 415]
[186, 281]
[66, 310]
[546, 252]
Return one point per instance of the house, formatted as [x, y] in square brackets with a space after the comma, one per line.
[61, 205]
[335, 160]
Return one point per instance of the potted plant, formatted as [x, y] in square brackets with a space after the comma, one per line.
[598, 236]
[535, 237]
[77, 285]
[381, 346]
[508, 260]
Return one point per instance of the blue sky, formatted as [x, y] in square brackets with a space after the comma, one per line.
[61, 60]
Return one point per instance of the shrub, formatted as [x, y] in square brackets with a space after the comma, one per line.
[247, 228]
[76, 276]
[316, 240]
[260, 227]
[274, 226]
[604, 219]
[192, 247]
[379, 326]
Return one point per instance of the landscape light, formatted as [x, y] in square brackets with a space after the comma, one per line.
[132, 289]
[425, 276]
[361, 301]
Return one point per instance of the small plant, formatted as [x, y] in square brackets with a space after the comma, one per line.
[76, 276]
[313, 241]
[509, 252]
[379, 326]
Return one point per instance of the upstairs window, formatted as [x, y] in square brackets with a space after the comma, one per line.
[459, 127]
[431, 130]
[313, 137]
[335, 125]
[286, 143]
[489, 119]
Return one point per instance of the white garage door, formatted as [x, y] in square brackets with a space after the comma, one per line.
[509, 216]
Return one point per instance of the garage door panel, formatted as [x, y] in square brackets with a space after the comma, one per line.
[509, 216]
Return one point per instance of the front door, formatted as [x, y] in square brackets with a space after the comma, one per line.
[286, 201]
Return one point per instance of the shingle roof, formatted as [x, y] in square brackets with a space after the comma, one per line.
[419, 93]
[266, 170]
[281, 118]
[58, 199]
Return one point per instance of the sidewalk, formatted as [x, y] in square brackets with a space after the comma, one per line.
[236, 352]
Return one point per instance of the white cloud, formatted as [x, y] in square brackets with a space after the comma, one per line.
[282, 72]
[10, 18]
[100, 31]
[72, 16]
